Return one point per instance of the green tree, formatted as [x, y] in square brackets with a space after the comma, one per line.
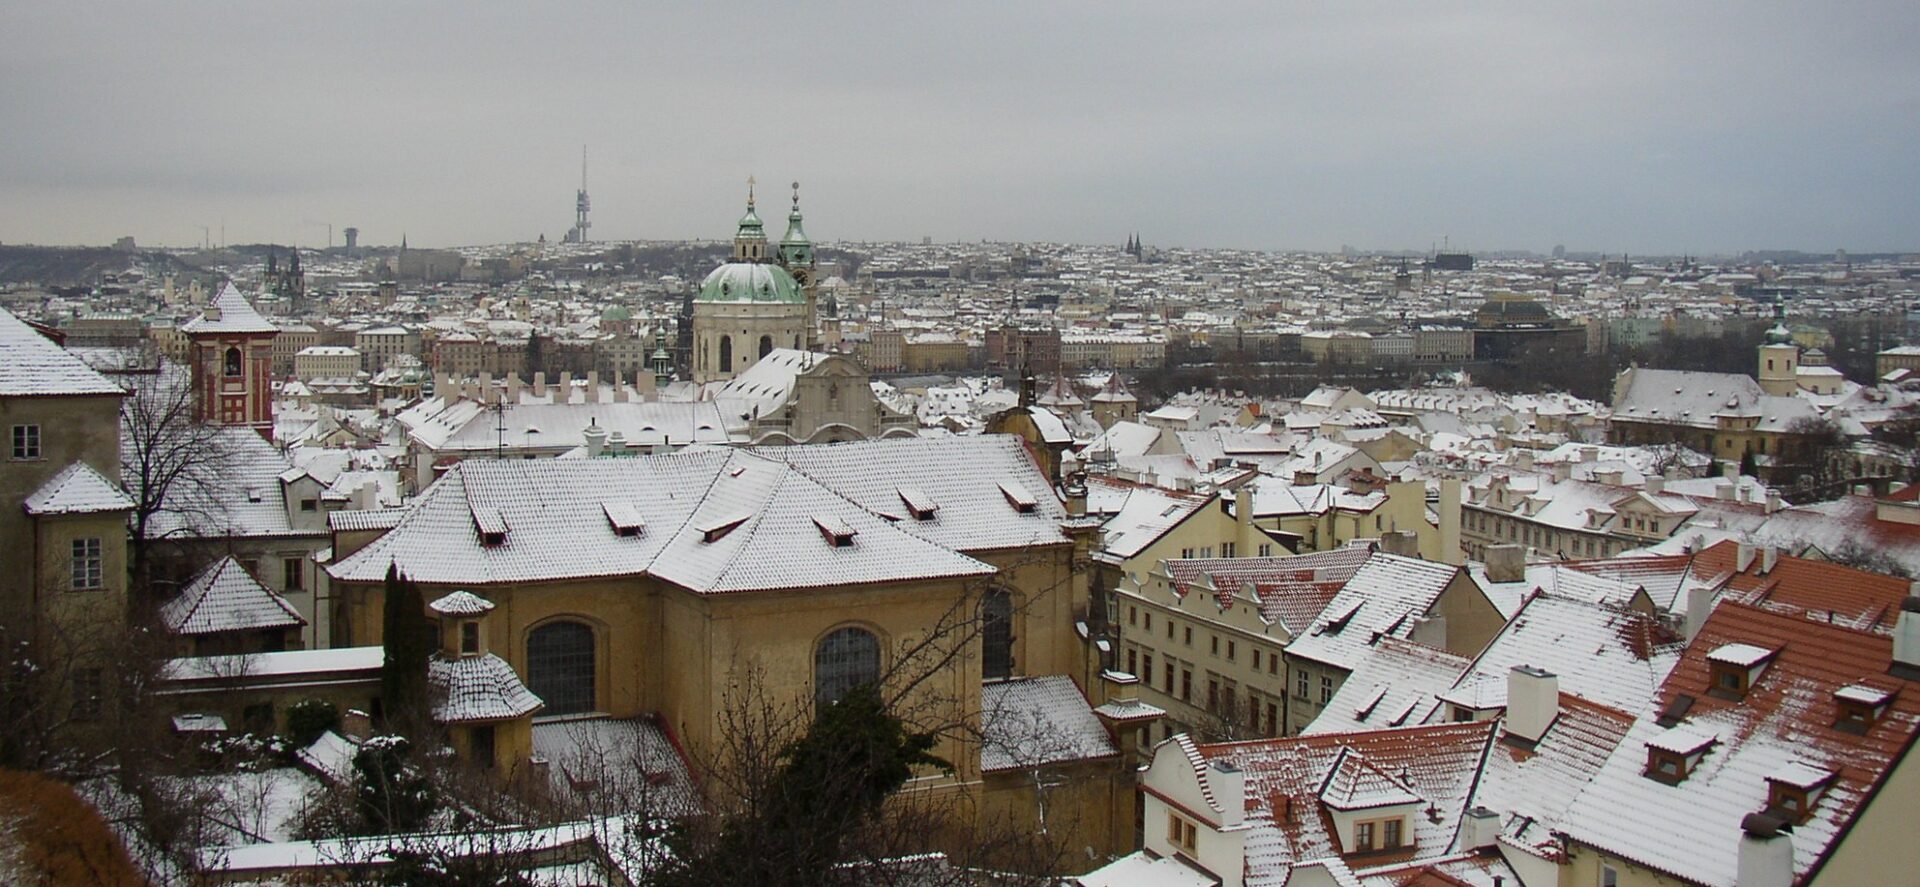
[409, 639]
[393, 794]
[829, 783]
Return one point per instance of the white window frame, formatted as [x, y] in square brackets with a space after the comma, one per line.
[25, 441]
[86, 565]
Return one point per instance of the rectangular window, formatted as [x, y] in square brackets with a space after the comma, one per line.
[1273, 663]
[26, 441]
[1189, 635]
[1326, 689]
[1146, 620]
[1169, 677]
[1256, 660]
[86, 569]
[1609, 876]
[1266, 549]
[470, 636]
[1186, 684]
[1362, 837]
[1133, 616]
[1230, 650]
[1300, 683]
[1273, 719]
[292, 577]
[1226, 549]
[1392, 833]
[1169, 629]
[1213, 695]
[1133, 661]
[1216, 645]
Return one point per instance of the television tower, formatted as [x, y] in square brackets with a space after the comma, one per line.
[580, 205]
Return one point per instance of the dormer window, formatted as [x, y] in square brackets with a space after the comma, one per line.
[1672, 755]
[1794, 789]
[1734, 668]
[837, 532]
[624, 518]
[491, 525]
[918, 503]
[718, 530]
[1859, 707]
[1017, 496]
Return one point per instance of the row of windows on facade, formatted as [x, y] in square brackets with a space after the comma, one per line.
[1144, 621]
[86, 569]
[1222, 692]
[1542, 538]
[726, 349]
[561, 668]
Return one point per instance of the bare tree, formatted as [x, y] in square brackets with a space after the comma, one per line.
[171, 463]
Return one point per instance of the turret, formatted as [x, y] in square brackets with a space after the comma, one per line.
[750, 239]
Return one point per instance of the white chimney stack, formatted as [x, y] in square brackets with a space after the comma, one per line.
[1230, 789]
[1479, 829]
[1699, 607]
[1656, 483]
[1533, 702]
[1506, 562]
[619, 390]
[1906, 633]
[596, 438]
[1766, 852]
[1743, 557]
[513, 387]
[540, 384]
[593, 386]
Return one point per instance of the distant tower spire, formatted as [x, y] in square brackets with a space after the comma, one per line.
[580, 205]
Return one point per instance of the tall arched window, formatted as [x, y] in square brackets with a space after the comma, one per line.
[233, 362]
[560, 666]
[766, 345]
[996, 635]
[844, 660]
[726, 354]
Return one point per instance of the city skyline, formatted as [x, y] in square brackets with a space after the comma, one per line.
[1507, 127]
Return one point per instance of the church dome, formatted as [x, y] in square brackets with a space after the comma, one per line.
[750, 282]
[616, 312]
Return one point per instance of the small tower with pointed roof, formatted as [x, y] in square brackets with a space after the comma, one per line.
[231, 358]
[750, 238]
[1115, 403]
[1779, 364]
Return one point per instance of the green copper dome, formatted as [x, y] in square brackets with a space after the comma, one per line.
[616, 312]
[750, 282]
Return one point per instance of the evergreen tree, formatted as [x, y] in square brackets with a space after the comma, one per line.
[393, 795]
[409, 638]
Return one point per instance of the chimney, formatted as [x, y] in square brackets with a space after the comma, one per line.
[513, 387]
[486, 388]
[1769, 557]
[593, 386]
[619, 390]
[1533, 701]
[1766, 852]
[1479, 829]
[1773, 501]
[1699, 607]
[1506, 562]
[1656, 483]
[1243, 507]
[565, 394]
[1523, 459]
[1230, 789]
[1730, 470]
[1589, 454]
[1401, 542]
[1906, 635]
[1742, 557]
[596, 438]
[1075, 492]
[354, 724]
[1723, 490]
[1562, 471]
[540, 384]
[443, 387]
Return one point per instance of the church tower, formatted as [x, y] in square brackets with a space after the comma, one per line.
[231, 349]
[1779, 360]
[796, 255]
[751, 305]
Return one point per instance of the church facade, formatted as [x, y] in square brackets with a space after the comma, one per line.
[760, 300]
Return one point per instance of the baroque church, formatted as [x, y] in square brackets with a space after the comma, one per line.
[756, 302]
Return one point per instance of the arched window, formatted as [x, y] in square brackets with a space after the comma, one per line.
[996, 635]
[844, 660]
[726, 354]
[233, 362]
[560, 666]
[766, 345]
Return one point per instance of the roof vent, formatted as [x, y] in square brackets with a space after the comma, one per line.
[718, 530]
[919, 503]
[837, 532]
[624, 518]
[1017, 496]
[490, 524]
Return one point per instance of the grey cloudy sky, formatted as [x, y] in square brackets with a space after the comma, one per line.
[1656, 127]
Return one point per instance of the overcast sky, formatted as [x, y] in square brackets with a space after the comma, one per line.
[1658, 127]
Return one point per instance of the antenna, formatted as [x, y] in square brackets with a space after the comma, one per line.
[580, 205]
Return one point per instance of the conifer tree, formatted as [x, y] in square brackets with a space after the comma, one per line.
[408, 636]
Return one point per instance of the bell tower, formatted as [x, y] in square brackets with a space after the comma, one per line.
[1779, 363]
[232, 354]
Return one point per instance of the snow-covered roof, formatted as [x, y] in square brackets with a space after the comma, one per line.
[1143, 515]
[629, 763]
[333, 661]
[718, 520]
[77, 489]
[224, 597]
[1033, 722]
[235, 315]
[1397, 686]
[461, 603]
[35, 366]
[1783, 725]
[1388, 596]
[1605, 654]
[479, 688]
